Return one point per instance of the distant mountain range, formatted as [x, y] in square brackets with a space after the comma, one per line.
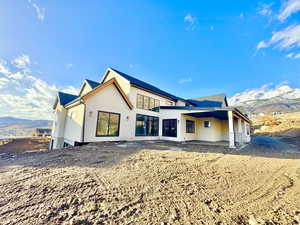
[17, 126]
[268, 100]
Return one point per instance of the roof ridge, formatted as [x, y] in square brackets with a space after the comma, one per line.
[144, 84]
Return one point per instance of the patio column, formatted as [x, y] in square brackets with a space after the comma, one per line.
[240, 131]
[231, 131]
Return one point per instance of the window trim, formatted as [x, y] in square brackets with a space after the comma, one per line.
[119, 122]
[138, 114]
[186, 127]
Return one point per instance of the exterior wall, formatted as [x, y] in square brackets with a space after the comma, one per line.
[213, 133]
[171, 114]
[189, 136]
[74, 123]
[109, 100]
[225, 130]
[58, 127]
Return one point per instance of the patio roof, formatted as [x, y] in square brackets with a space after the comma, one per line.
[220, 114]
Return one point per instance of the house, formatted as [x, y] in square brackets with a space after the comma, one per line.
[42, 132]
[123, 108]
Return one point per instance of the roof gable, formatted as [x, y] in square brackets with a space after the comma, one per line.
[92, 84]
[219, 100]
[106, 84]
[64, 98]
[146, 86]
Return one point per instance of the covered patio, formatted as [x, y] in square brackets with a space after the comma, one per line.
[218, 126]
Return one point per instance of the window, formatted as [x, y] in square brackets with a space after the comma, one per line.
[207, 124]
[190, 126]
[140, 101]
[147, 103]
[151, 103]
[67, 145]
[108, 124]
[146, 125]
[170, 128]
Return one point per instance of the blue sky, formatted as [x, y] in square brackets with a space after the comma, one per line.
[189, 48]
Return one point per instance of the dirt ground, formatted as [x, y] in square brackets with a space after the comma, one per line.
[20, 145]
[153, 183]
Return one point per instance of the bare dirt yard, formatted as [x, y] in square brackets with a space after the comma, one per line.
[153, 183]
[20, 145]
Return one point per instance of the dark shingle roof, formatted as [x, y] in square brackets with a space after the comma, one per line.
[93, 84]
[65, 98]
[205, 103]
[147, 86]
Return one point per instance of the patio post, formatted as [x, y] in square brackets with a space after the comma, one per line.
[240, 131]
[231, 131]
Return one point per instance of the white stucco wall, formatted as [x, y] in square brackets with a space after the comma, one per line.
[58, 126]
[74, 123]
[109, 100]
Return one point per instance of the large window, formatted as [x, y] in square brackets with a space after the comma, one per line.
[170, 128]
[146, 125]
[108, 124]
[145, 102]
[190, 126]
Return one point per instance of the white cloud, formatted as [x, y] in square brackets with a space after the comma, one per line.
[265, 9]
[24, 95]
[185, 80]
[289, 7]
[293, 55]
[22, 62]
[69, 65]
[192, 21]
[39, 11]
[267, 91]
[261, 45]
[284, 39]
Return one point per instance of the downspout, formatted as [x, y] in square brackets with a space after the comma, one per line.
[83, 123]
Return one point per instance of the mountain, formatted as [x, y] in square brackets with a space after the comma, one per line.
[17, 126]
[268, 99]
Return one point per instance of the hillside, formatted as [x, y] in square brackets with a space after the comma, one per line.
[17, 126]
[267, 100]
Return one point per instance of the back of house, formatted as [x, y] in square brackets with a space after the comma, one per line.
[123, 108]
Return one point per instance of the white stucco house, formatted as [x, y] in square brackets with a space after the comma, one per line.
[123, 108]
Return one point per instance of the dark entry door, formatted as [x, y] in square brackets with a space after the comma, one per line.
[170, 128]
